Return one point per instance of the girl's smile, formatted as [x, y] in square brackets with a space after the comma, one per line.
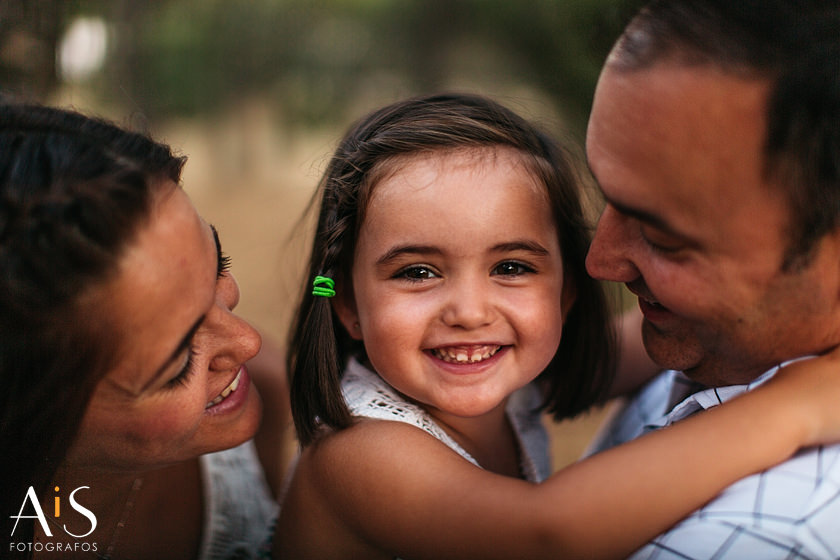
[467, 354]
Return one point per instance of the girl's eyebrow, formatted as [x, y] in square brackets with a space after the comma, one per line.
[520, 245]
[395, 252]
[507, 247]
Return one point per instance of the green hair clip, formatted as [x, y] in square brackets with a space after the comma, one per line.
[323, 286]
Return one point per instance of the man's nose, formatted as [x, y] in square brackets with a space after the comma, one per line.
[610, 255]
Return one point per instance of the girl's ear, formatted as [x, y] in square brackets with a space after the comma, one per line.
[344, 305]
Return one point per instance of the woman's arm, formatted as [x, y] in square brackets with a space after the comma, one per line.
[381, 489]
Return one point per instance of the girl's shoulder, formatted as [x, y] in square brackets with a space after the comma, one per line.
[356, 481]
[375, 447]
[368, 396]
[381, 488]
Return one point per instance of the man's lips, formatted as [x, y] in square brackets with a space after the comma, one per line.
[650, 307]
[652, 310]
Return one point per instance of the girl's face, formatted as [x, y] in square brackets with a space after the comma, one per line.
[179, 389]
[458, 288]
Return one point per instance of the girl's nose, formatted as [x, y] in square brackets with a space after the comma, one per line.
[467, 304]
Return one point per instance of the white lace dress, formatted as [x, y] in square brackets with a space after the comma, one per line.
[369, 396]
[239, 512]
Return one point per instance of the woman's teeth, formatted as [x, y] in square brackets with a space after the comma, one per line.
[462, 355]
[227, 391]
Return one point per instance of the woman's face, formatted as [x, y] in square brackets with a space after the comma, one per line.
[179, 389]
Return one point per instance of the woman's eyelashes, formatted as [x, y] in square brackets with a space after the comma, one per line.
[222, 259]
[223, 267]
[185, 372]
[224, 264]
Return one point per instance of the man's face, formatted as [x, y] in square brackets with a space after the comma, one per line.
[695, 230]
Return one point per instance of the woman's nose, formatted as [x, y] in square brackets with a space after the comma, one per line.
[237, 341]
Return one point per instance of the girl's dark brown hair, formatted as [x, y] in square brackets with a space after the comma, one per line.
[73, 193]
[319, 346]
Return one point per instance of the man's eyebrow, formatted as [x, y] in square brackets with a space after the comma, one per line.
[643, 216]
[183, 345]
[400, 250]
[636, 213]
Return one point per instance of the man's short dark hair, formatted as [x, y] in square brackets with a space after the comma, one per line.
[793, 43]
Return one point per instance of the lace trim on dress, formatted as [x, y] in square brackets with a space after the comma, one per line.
[368, 395]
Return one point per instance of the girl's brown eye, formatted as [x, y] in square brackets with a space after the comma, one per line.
[512, 268]
[416, 273]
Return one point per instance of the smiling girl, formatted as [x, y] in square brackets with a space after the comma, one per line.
[450, 307]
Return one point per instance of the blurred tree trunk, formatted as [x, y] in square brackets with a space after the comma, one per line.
[29, 35]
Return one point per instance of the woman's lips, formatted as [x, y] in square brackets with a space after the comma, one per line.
[232, 395]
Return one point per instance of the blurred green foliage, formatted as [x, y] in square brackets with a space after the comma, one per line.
[320, 59]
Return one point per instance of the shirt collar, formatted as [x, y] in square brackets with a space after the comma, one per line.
[705, 398]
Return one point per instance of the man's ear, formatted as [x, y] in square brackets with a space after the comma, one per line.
[344, 305]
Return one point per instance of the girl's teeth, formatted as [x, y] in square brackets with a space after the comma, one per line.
[227, 390]
[464, 356]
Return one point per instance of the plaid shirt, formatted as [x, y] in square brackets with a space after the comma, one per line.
[789, 511]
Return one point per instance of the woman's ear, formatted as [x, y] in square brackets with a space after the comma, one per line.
[344, 305]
